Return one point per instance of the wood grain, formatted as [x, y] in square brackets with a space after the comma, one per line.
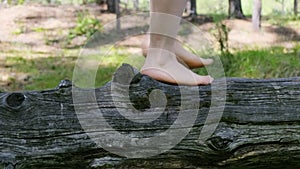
[259, 128]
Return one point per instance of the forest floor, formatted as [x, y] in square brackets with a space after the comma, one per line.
[35, 31]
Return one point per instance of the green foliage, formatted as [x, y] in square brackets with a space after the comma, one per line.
[212, 6]
[15, 2]
[218, 17]
[21, 2]
[86, 26]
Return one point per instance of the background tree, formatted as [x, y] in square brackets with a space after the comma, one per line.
[111, 6]
[235, 9]
[136, 5]
[282, 7]
[256, 15]
[296, 7]
[191, 8]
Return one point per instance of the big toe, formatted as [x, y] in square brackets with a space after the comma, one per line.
[206, 80]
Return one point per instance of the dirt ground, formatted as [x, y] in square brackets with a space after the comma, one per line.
[27, 31]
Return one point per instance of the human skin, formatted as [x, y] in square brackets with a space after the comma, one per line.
[185, 57]
[161, 62]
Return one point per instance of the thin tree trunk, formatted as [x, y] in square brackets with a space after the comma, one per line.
[118, 14]
[111, 7]
[136, 5]
[283, 7]
[295, 7]
[84, 2]
[256, 15]
[193, 7]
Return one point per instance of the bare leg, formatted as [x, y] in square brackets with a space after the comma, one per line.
[161, 63]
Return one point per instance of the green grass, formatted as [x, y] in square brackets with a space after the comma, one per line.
[39, 29]
[105, 65]
[47, 72]
[287, 20]
[275, 62]
[44, 72]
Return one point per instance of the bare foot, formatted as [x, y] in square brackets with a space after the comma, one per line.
[185, 57]
[162, 65]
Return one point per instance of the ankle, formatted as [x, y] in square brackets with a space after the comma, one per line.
[161, 41]
[160, 57]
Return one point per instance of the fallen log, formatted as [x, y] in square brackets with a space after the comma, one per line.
[258, 126]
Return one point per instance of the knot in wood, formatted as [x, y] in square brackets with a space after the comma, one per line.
[15, 100]
[124, 74]
[219, 144]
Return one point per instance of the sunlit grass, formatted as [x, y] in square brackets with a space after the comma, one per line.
[113, 60]
[286, 20]
[45, 73]
[275, 62]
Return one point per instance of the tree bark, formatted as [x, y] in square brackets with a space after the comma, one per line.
[256, 15]
[118, 14]
[136, 5]
[259, 128]
[84, 2]
[111, 6]
[235, 9]
[193, 8]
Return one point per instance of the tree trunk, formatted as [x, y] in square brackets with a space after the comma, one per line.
[259, 126]
[84, 2]
[136, 5]
[283, 7]
[295, 7]
[193, 8]
[111, 6]
[118, 14]
[256, 15]
[235, 9]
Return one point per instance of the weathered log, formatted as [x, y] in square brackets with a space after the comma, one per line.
[259, 128]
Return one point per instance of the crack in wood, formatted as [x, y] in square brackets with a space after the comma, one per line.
[260, 126]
